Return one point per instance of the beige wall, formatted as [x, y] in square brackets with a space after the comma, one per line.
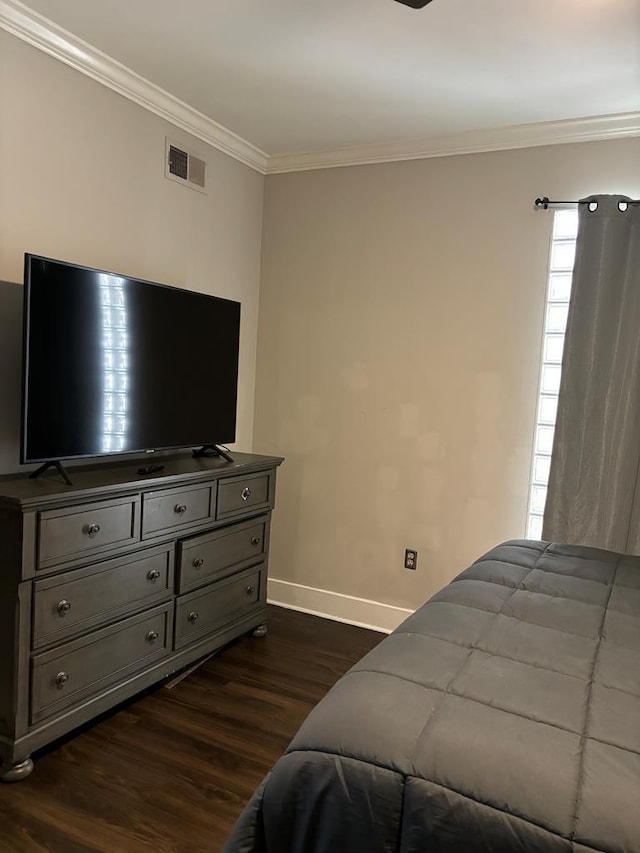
[401, 314]
[82, 179]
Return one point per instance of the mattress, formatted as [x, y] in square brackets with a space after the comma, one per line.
[503, 715]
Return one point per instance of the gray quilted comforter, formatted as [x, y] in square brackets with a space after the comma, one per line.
[504, 715]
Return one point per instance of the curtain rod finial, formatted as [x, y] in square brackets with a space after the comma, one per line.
[542, 203]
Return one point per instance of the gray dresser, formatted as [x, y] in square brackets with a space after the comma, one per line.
[114, 583]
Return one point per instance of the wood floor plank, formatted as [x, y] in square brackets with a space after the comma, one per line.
[171, 771]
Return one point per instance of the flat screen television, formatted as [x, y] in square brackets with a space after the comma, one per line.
[113, 364]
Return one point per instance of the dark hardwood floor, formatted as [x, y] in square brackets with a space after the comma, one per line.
[172, 770]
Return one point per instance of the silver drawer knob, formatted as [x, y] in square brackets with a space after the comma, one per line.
[92, 529]
[198, 563]
[255, 540]
[245, 494]
[63, 607]
[250, 589]
[152, 636]
[180, 508]
[193, 616]
[153, 575]
[61, 679]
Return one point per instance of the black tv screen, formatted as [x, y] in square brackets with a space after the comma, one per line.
[114, 364]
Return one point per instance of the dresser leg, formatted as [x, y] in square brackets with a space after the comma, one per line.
[260, 631]
[16, 772]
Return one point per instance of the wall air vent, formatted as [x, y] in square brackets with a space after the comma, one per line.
[184, 168]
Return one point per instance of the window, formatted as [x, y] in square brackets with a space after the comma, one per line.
[563, 249]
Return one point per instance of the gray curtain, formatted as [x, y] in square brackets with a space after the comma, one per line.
[594, 490]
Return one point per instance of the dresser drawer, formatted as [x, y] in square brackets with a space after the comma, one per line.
[240, 495]
[74, 672]
[79, 532]
[174, 508]
[202, 558]
[77, 601]
[202, 612]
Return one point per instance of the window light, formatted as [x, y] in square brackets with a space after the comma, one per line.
[563, 249]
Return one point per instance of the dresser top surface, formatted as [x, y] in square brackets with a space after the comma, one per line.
[90, 481]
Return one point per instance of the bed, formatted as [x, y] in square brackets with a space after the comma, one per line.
[503, 715]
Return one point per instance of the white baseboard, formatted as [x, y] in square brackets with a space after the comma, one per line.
[334, 605]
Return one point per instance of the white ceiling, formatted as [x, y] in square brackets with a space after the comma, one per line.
[293, 76]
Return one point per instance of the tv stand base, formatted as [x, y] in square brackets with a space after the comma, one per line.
[153, 535]
[59, 468]
[212, 450]
[16, 772]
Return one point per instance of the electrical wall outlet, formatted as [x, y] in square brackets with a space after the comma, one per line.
[410, 559]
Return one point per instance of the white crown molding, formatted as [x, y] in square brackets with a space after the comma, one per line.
[335, 605]
[33, 28]
[473, 142]
[25, 24]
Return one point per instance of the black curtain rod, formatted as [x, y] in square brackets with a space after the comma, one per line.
[544, 202]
